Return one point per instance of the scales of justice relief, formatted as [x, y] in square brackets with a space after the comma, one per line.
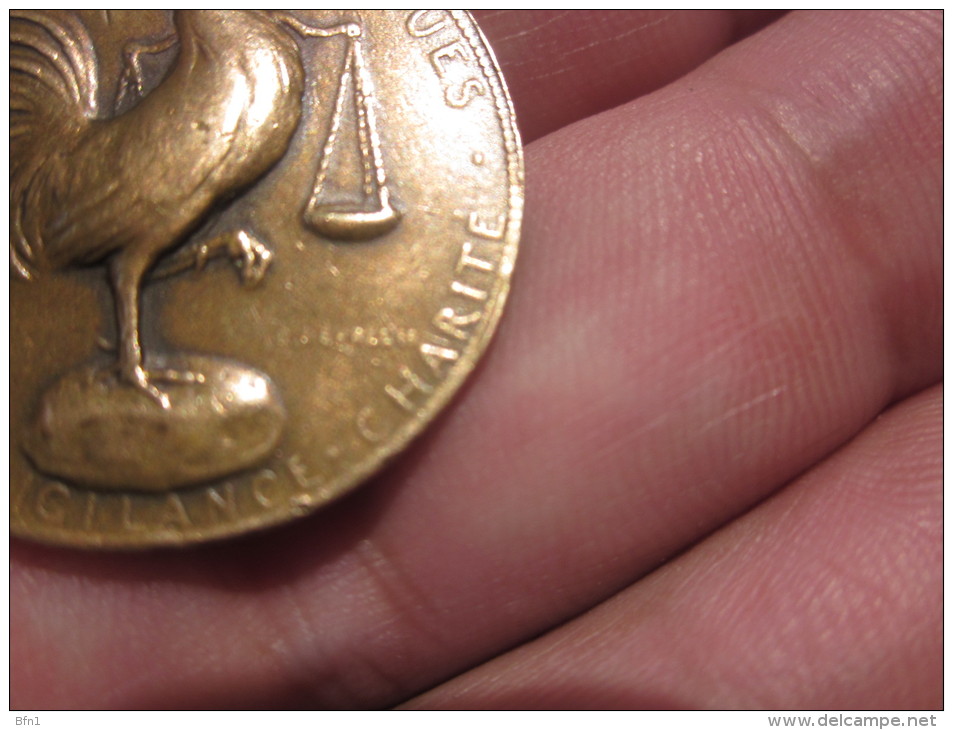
[131, 188]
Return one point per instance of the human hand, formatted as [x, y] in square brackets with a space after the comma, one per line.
[705, 444]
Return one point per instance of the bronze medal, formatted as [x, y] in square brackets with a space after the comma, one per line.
[253, 253]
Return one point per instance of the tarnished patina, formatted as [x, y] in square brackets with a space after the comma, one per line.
[361, 171]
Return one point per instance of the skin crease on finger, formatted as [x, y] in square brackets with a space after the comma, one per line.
[820, 598]
[613, 57]
[720, 284]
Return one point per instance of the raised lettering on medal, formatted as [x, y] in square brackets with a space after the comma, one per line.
[246, 276]
[423, 23]
[174, 513]
[221, 502]
[302, 474]
[405, 393]
[52, 502]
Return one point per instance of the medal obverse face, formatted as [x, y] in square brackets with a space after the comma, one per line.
[253, 253]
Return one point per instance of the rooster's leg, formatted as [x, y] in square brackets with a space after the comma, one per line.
[250, 255]
[126, 273]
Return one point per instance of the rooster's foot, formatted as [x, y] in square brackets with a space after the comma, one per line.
[251, 256]
[139, 379]
[176, 376]
[144, 381]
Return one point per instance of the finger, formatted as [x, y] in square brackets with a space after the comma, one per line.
[736, 280]
[829, 595]
[564, 65]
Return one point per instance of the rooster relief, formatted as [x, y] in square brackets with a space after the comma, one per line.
[127, 186]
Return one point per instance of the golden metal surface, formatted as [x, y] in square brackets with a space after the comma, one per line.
[360, 169]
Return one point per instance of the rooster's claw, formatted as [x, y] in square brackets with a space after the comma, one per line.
[251, 256]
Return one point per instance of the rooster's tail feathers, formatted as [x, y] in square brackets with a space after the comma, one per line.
[53, 72]
[53, 78]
